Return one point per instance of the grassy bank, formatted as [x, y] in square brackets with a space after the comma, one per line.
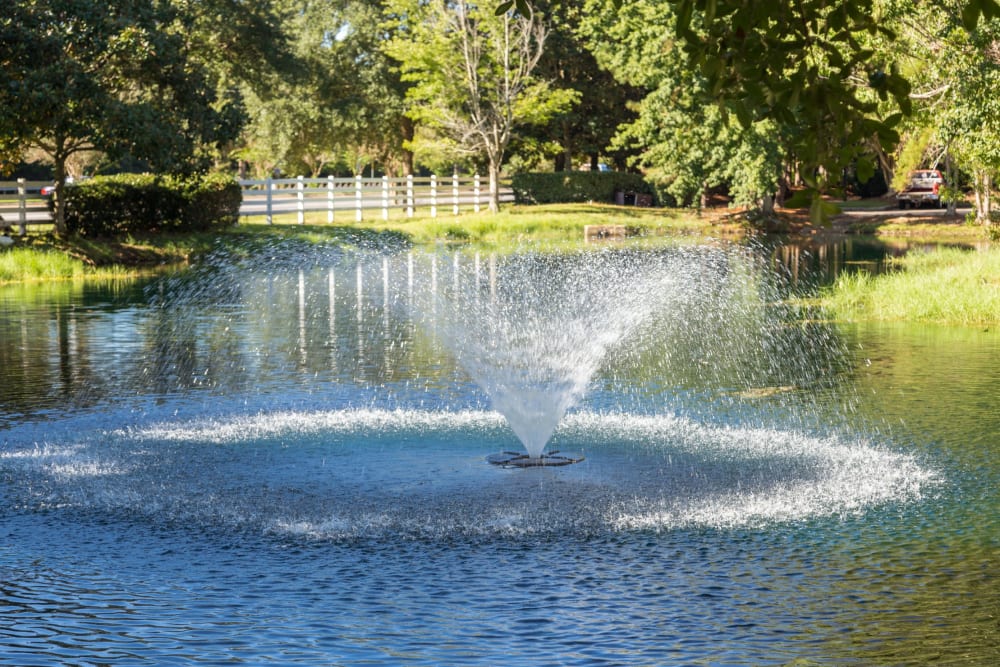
[942, 229]
[41, 256]
[554, 223]
[44, 257]
[947, 286]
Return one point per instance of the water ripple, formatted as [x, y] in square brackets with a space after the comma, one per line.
[349, 474]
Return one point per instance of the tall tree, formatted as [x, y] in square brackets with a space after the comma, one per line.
[345, 99]
[955, 75]
[83, 75]
[683, 139]
[970, 111]
[586, 129]
[471, 75]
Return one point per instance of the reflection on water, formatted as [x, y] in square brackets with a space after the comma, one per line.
[343, 323]
[812, 262]
[272, 463]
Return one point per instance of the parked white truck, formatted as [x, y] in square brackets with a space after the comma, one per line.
[923, 186]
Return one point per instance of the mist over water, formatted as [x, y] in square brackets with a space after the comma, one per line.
[390, 475]
[533, 330]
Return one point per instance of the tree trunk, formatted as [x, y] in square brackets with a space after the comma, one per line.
[494, 172]
[783, 190]
[950, 170]
[408, 132]
[567, 146]
[59, 196]
[884, 163]
[982, 182]
[987, 198]
[767, 205]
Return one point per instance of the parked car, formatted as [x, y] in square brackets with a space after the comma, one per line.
[923, 186]
[49, 190]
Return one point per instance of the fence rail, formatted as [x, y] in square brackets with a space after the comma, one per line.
[23, 203]
[358, 195]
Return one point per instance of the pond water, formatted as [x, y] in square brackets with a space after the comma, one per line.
[283, 461]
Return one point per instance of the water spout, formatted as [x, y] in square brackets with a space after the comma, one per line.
[535, 335]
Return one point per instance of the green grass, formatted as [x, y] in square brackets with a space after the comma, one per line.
[513, 224]
[31, 264]
[42, 256]
[947, 286]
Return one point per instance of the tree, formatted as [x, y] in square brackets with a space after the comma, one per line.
[471, 76]
[683, 139]
[970, 120]
[804, 65]
[603, 102]
[955, 74]
[85, 75]
[343, 106]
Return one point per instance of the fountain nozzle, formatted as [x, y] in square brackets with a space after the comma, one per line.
[522, 460]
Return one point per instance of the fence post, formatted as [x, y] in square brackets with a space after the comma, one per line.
[329, 199]
[409, 195]
[301, 196]
[358, 201]
[434, 195]
[385, 197]
[475, 194]
[454, 192]
[268, 185]
[22, 206]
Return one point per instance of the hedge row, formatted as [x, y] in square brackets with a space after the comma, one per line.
[576, 186]
[129, 203]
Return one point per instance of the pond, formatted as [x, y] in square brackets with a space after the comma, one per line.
[284, 460]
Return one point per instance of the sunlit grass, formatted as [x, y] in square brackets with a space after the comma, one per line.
[42, 256]
[948, 286]
[29, 264]
[513, 224]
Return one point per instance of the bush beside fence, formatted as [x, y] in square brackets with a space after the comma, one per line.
[576, 186]
[129, 203]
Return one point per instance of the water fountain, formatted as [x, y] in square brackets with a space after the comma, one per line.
[290, 443]
[532, 333]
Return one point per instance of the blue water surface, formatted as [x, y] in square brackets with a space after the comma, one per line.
[280, 467]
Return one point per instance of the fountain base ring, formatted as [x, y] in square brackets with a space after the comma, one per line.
[522, 460]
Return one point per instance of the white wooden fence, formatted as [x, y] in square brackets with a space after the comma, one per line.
[22, 203]
[358, 196]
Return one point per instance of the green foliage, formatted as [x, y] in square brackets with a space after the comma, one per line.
[948, 286]
[575, 186]
[119, 78]
[471, 76]
[911, 155]
[130, 203]
[342, 109]
[603, 102]
[685, 143]
[798, 64]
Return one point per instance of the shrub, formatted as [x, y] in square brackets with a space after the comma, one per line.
[575, 186]
[212, 201]
[129, 203]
